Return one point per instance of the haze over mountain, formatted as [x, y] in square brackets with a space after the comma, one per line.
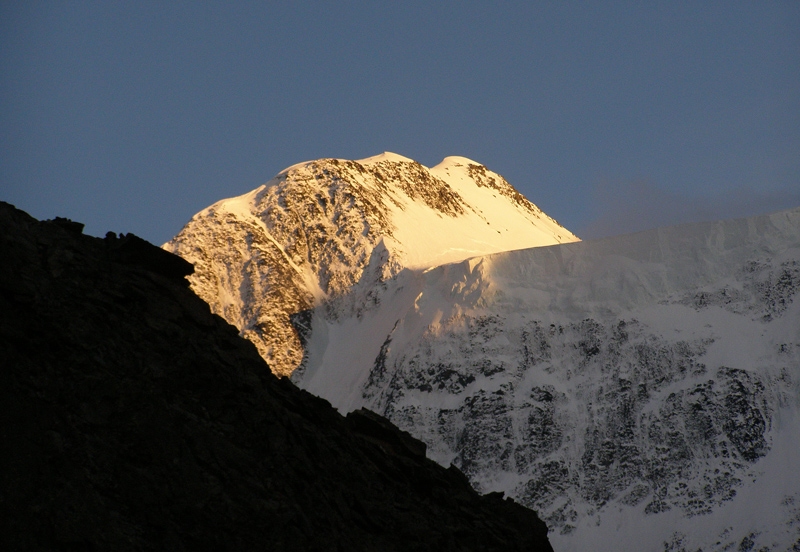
[639, 391]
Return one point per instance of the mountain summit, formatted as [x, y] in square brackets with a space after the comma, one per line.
[320, 228]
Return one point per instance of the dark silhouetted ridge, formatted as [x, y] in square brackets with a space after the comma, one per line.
[134, 419]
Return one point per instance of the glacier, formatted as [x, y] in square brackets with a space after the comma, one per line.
[640, 391]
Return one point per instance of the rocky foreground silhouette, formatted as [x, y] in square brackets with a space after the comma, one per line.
[133, 419]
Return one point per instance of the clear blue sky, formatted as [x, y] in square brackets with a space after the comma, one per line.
[612, 116]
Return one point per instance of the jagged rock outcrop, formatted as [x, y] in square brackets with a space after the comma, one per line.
[133, 418]
[308, 236]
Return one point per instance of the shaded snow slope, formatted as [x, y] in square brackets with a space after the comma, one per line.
[640, 391]
[264, 259]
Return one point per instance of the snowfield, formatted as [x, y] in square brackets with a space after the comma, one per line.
[639, 392]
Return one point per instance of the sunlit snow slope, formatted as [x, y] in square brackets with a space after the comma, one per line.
[640, 392]
[306, 237]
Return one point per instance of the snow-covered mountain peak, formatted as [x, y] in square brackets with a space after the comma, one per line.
[640, 391]
[453, 161]
[385, 156]
[307, 236]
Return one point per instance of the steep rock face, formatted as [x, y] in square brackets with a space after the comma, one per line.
[134, 419]
[639, 391]
[307, 237]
